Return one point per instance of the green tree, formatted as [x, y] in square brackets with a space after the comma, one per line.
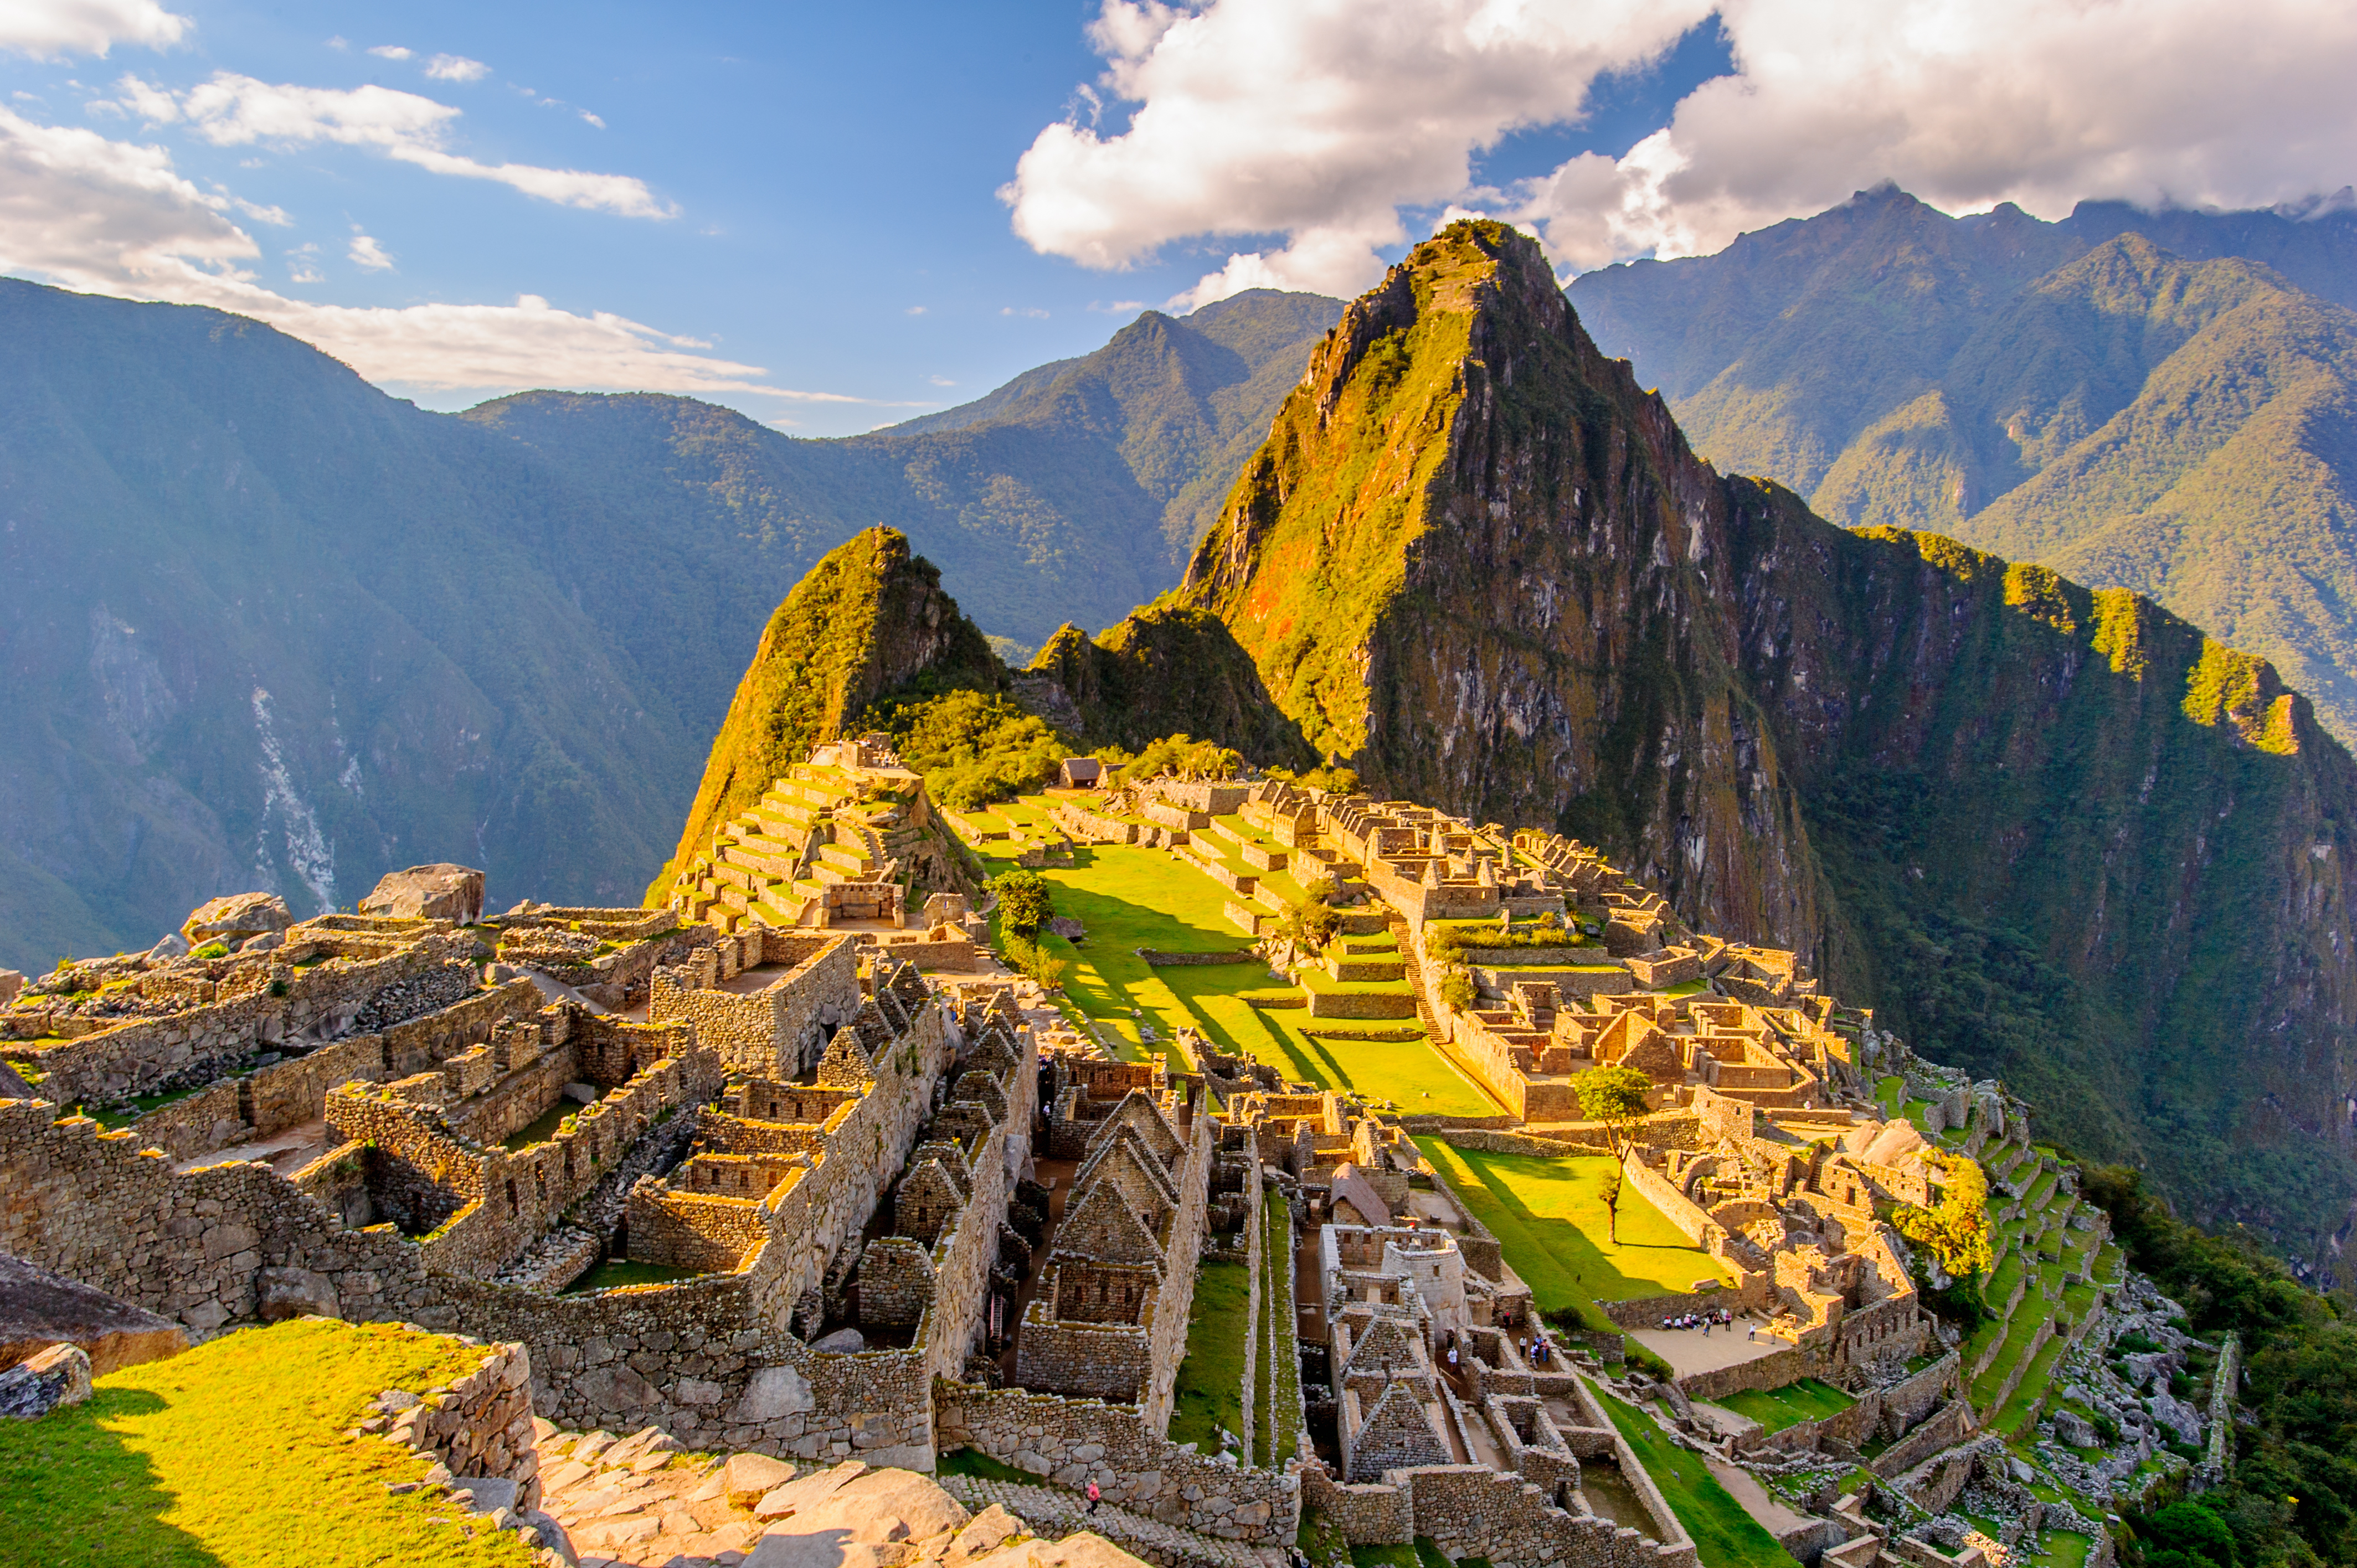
[1026, 900]
[1956, 1229]
[1614, 1096]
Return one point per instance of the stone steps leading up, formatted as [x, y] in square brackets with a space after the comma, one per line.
[1054, 1513]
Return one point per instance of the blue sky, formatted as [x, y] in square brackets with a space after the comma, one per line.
[835, 216]
[834, 171]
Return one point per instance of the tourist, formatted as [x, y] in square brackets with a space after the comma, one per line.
[1093, 1497]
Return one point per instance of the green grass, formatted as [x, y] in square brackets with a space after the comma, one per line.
[983, 1467]
[232, 1456]
[1209, 1393]
[617, 1271]
[1548, 1214]
[141, 1104]
[1724, 1534]
[2020, 1330]
[2034, 1381]
[1890, 1093]
[1277, 1400]
[1130, 897]
[543, 1128]
[1776, 1409]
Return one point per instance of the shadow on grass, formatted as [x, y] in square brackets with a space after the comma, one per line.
[73, 1491]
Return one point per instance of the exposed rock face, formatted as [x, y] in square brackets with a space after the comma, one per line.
[428, 892]
[39, 1309]
[2055, 835]
[236, 917]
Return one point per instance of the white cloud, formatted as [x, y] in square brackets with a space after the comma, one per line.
[455, 67]
[917, 309]
[1312, 119]
[87, 213]
[1317, 122]
[230, 109]
[51, 29]
[368, 255]
[392, 51]
[1032, 311]
[593, 119]
[940, 381]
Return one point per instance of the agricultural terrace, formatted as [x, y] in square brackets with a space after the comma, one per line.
[1127, 897]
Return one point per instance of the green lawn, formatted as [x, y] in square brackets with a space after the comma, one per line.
[1548, 1214]
[1277, 1402]
[232, 1456]
[1210, 1391]
[1130, 897]
[1724, 1534]
[1776, 1409]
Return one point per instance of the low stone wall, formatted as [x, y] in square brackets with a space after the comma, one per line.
[1075, 1441]
[705, 1233]
[1524, 1144]
[1773, 1370]
[1950, 1427]
[1361, 1004]
[480, 1424]
[1470, 1510]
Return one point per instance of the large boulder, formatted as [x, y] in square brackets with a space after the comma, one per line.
[12, 986]
[428, 892]
[58, 1375]
[236, 917]
[39, 1309]
[296, 1292]
[13, 1085]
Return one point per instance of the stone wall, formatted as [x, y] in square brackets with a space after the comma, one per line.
[701, 1231]
[139, 1057]
[1073, 1442]
[480, 1424]
[777, 1031]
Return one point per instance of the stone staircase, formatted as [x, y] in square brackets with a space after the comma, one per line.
[1054, 1513]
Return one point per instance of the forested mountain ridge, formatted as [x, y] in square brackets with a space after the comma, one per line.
[273, 629]
[2156, 400]
[2049, 833]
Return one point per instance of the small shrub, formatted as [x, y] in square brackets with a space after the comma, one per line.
[1456, 988]
[210, 949]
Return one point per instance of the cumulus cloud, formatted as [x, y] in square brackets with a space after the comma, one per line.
[1316, 119]
[51, 29]
[1317, 122]
[455, 67]
[230, 110]
[88, 212]
[366, 254]
[392, 51]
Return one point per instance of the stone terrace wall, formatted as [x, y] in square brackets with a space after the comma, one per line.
[702, 1232]
[774, 1031]
[480, 1424]
[1075, 1441]
[139, 1056]
[95, 1207]
[697, 1359]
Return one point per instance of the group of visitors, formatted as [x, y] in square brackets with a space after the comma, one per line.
[1706, 1321]
[1537, 1351]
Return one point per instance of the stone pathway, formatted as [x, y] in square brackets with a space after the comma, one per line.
[1053, 1512]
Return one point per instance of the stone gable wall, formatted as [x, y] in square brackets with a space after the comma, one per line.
[703, 1231]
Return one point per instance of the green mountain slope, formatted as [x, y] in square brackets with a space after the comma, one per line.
[2047, 832]
[868, 619]
[2121, 395]
[277, 629]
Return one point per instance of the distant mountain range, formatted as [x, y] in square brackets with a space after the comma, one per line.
[2164, 401]
[270, 627]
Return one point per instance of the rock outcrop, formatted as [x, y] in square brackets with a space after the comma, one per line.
[428, 892]
[39, 1309]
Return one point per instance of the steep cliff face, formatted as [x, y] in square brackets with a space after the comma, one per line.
[2049, 833]
[869, 618]
[1475, 560]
